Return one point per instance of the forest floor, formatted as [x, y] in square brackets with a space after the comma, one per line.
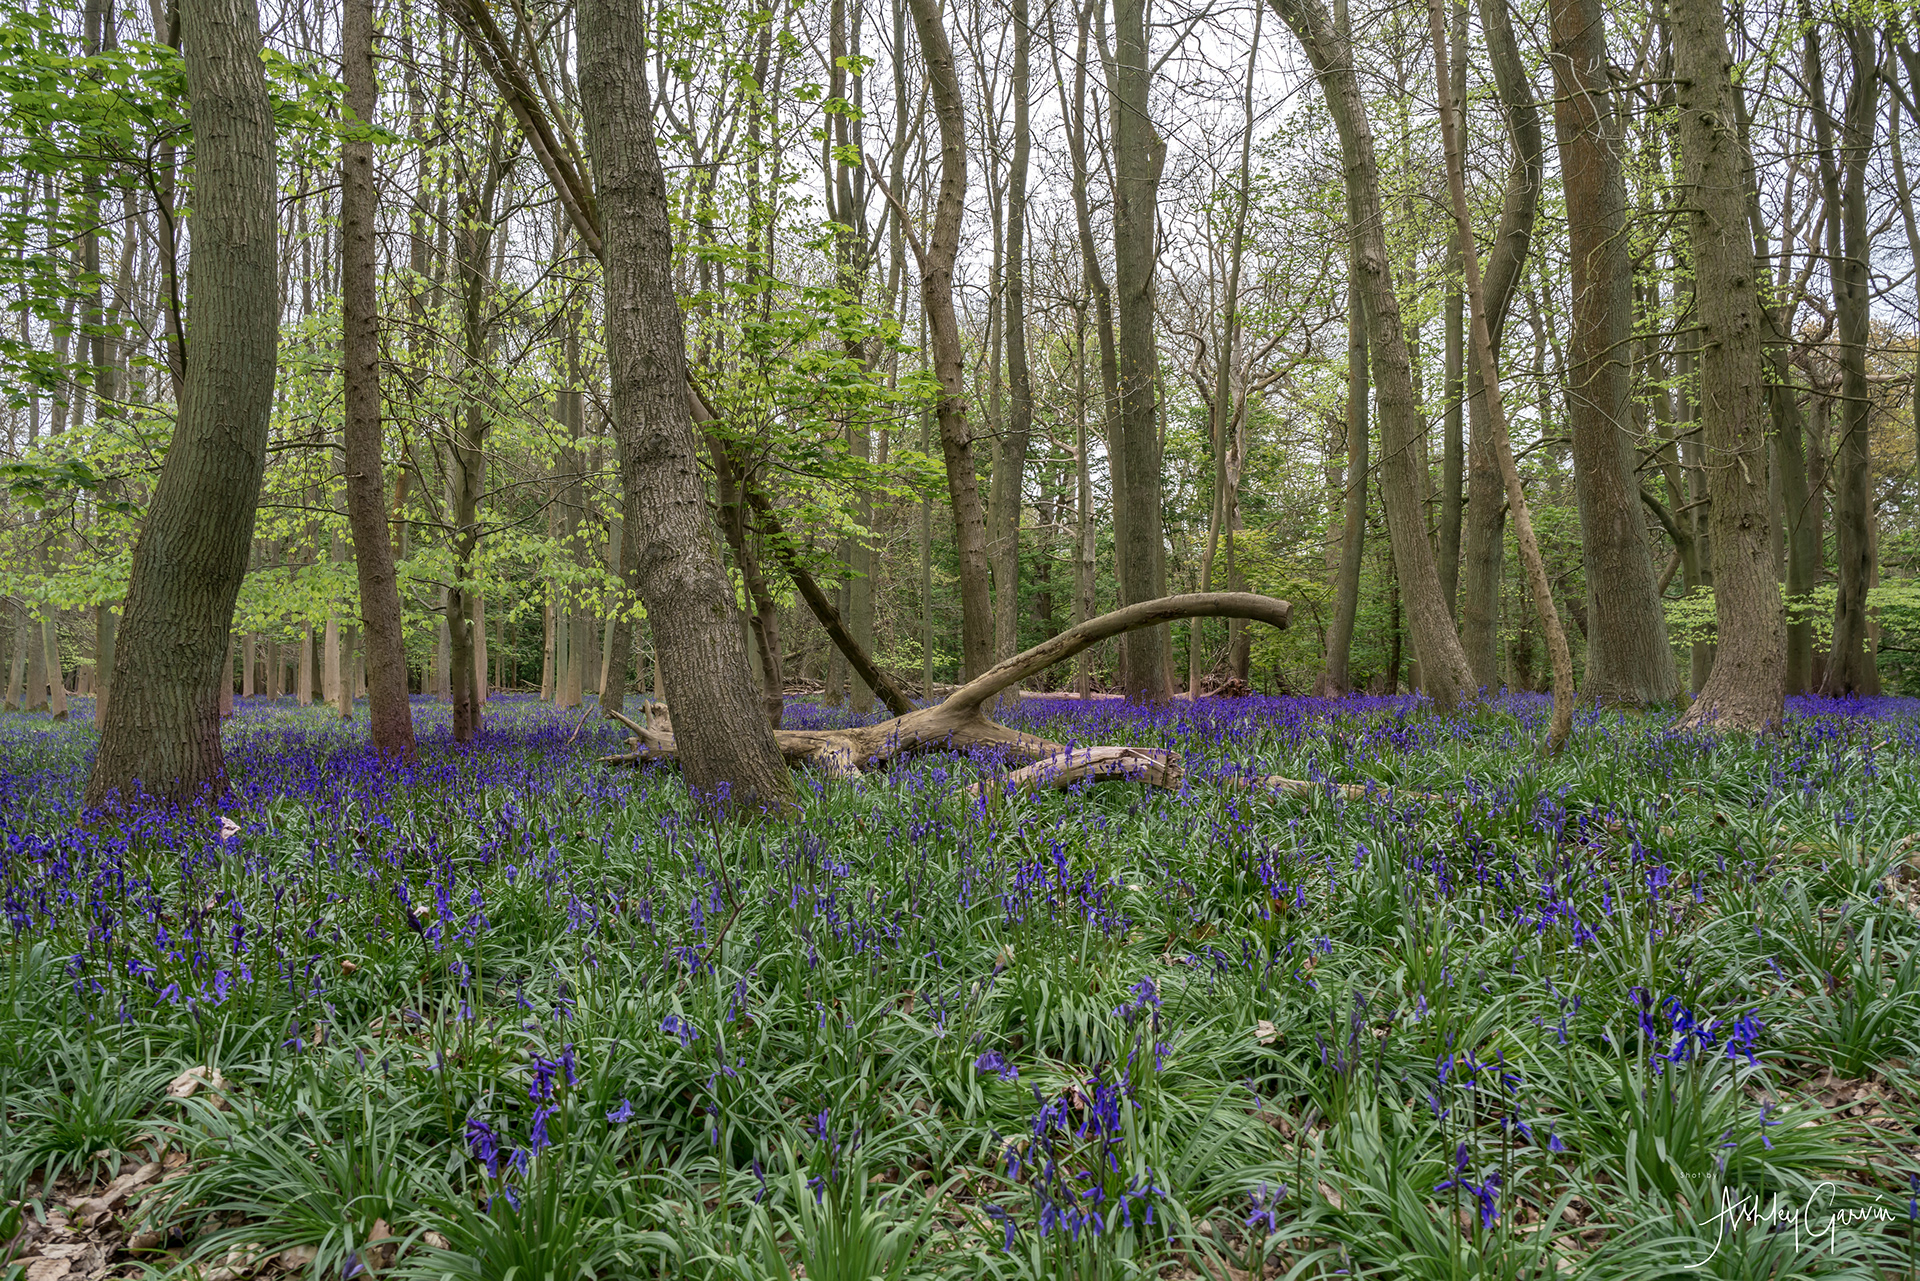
[1648, 1009]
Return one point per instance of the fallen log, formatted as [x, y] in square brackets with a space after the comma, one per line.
[958, 722]
[1154, 766]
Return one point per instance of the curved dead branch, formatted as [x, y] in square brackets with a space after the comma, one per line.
[957, 723]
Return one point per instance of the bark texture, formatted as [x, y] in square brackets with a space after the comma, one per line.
[1484, 535]
[1745, 688]
[390, 716]
[1488, 362]
[1444, 673]
[943, 331]
[1336, 680]
[1139, 153]
[163, 726]
[1010, 453]
[728, 750]
[1850, 665]
[1629, 659]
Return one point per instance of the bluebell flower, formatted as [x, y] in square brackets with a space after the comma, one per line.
[1264, 1206]
[995, 1061]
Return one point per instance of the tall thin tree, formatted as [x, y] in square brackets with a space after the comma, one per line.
[383, 642]
[1444, 673]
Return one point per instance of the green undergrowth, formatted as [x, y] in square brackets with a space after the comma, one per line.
[1648, 1010]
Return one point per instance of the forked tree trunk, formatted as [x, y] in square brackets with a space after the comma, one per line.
[1850, 665]
[1485, 524]
[1496, 414]
[728, 750]
[1744, 689]
[163, 726]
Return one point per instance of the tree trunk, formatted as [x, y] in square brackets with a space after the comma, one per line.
[17, 668]
[1336, 680]
[1010, 450]
[1228, 396]
[1139, 153]
[729, 477]
[1453, 455]
[163, 727]
[34, 699]
[729, 753]
[1629, 659]
[56, 670]
[1489, 364]
[1850, 667]
[1903, 198]
[1744, 690]
[1085, 537]
[936, 289]
[958, 722]
[106, 633]
[1074, 109]
[613, 687]
[1444, 673]
[1486, 516]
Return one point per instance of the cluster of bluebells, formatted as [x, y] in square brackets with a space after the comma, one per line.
[996, 1062]
[1688, 1036]
[1485, 1190]
[1077, 1171]
[548, 1079]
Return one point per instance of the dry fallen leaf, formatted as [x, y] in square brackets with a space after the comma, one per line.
[297, 1258]
[1265, 1032]
[188, 1083]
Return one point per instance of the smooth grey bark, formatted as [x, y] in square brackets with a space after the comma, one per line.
[1530, 557]
[1453, 454]
[1010, 450]
[17, 667]
[1629, 660]
[1850, 665]
[163, 726]
[34, 696]
[1228, 400]
[943, 330]
[847, 199]
[726, 747]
